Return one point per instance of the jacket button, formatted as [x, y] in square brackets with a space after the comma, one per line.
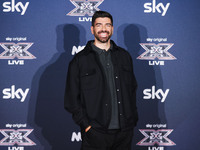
[106, 104]
[116, 77]
[120, 114]
[119, 102]
[117, 90]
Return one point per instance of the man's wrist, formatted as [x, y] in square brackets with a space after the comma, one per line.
[88, 128]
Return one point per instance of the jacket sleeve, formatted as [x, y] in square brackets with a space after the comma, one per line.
[72, 101]
[134, 91]
[134, 79]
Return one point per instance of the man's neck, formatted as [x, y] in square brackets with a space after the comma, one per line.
[100, 45]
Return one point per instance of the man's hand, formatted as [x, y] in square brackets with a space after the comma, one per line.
[88, 128]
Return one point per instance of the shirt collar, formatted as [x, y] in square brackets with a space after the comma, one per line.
[99, 50]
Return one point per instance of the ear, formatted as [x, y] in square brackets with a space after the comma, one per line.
[92, 29]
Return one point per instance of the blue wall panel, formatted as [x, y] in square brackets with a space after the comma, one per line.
[36, 47]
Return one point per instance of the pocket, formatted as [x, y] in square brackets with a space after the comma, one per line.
[93, 133]
[90, 133]
[127, 68]
[88, 79]
[95, 138]
[127, 74]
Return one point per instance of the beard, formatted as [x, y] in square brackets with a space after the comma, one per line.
[102, 39]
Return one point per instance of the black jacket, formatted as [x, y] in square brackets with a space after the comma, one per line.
[87, 94]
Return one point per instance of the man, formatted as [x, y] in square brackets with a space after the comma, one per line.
[101, 90]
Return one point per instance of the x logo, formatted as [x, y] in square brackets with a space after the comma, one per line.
[18, 137]
[159, 51]
[153, 137]
[84, 7]
[18, 50]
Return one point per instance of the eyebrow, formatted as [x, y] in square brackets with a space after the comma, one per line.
[98, 23]
[101, 23]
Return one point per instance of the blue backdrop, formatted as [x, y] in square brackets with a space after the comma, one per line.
[39, 38]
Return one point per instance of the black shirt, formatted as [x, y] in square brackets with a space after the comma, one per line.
[106, 62]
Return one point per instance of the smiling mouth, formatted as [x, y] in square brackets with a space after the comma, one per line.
[103, 34]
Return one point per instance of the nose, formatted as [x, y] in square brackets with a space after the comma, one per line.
[104, 28]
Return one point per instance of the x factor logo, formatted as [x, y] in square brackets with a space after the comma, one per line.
[159, 137]
[84, 7]
[159, 51]
[18, 50]
[18, 137]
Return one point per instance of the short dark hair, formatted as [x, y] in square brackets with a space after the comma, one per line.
[102, 14]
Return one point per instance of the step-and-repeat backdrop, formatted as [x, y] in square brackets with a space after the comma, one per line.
[38, 38]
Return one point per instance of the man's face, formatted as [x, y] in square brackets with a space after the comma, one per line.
[102, 29]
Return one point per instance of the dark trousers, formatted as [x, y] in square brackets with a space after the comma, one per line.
[112, 140]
